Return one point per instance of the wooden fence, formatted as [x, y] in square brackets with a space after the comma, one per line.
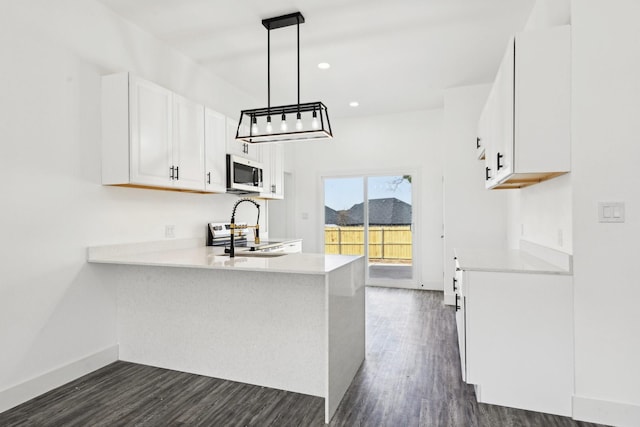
[392, 242]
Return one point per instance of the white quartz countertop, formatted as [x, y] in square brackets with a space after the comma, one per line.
[183, 254]
[514, 261]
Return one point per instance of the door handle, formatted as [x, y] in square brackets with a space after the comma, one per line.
[457, 300]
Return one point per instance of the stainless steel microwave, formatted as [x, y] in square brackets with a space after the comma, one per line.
[244, 176]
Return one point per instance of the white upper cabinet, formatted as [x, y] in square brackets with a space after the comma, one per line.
[273, 171]
[188, 144]
[525, 126]
[240, 148]
[151, 137]
[150, 128]
[215, 138]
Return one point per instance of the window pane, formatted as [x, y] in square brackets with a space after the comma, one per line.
[390, 227]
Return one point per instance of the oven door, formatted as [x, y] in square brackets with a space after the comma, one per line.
[243, 175]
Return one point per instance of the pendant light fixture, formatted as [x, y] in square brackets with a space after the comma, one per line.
[299, 122]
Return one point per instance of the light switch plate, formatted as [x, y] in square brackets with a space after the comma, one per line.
[611, 212]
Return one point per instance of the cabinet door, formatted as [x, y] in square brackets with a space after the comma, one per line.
[490, 140]
[267, 173]
[543, 100]
[272, 158]
[188, 144]
[461, 324]
[277, 171]
[215, 151]
[504, 103]
[239, 148]
[150, 133]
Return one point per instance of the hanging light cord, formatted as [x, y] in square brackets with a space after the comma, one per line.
[269, 71]
[298, 29]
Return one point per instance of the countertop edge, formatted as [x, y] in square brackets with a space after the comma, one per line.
[188, 253]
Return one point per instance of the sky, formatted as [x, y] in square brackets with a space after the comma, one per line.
[342, 193]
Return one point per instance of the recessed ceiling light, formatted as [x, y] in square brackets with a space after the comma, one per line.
[354, 104]
[324, 65]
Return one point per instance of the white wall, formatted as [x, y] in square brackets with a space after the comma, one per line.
[542, 213]
[473, 216]
[406, 141]
[606, 152]
[549, 13]
[55, 308]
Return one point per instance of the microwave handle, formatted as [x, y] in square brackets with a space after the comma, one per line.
[255, 177]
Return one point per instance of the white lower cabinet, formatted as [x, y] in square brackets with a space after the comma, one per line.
[460, 319]
[515, 333]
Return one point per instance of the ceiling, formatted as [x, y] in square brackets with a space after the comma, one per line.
[390, 56]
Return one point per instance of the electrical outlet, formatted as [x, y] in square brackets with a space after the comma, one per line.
[169, 231]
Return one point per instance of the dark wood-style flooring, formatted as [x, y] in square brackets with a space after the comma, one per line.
[411, 377]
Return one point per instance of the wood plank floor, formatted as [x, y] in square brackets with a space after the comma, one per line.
[411, 377]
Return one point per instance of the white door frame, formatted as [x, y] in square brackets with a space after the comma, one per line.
[415, 280]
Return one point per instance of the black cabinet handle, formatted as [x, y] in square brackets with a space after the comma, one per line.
[478, 142]
[209, 178]
[499, 156]
[487, 177]
[273, 188]
[457, 299]
[177, 173]
[455, 288]
[172, 176]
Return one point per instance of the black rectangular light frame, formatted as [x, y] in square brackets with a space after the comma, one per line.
[283, 21]
[245, 133]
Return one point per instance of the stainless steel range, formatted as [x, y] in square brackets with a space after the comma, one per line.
[219, 234]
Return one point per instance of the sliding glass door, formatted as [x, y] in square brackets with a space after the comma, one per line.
[372, 216]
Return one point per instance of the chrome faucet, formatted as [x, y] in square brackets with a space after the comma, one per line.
[234, 226]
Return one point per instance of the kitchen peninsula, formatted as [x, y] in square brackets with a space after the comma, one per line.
[293, 322]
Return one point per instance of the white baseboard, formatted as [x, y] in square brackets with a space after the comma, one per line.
[34, 387]
[606, 412]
